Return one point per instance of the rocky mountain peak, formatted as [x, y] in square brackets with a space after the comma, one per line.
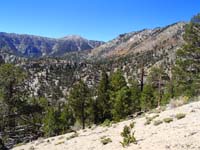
[73, 37]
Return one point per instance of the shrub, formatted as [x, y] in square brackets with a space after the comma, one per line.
[106, 123]
[168, 120]
[157, 122]
[105, 140]
[61, 142]
[180, 116]
[147, 122]
[128, 135]
[51, 122]
[152, 118]
[156, 111]
[149, 119]
[72, 136]
[132, 125]
[48, 141]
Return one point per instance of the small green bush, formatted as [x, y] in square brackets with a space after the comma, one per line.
[132, 125]
[128, 135]
[106, 123]
[103, 137]
[180, 116]
[168, 120]
[149, 119]
[105, 140]
[61, 142]
[72, 136]
[48, 141]
[157, 122]
[152, 118]
[126, 131]
[147, 122]
[156, 111]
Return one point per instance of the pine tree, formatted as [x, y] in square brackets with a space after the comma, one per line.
[135, 96]
[120, 95]
[147, 98]
[80, 101]
[67, 119]
[158, 79]
[12, 91]
[102, 104]
[187, 68]
[56, 94]
[122, 105]
[117, 81]
[51, 122]
[142, 76]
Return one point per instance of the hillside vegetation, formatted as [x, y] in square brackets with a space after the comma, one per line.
[51, 96]
[179, 134]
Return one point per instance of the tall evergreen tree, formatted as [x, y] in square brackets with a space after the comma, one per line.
[12, 90]
[80, 101]
[117, 81]
[142, 76]
[147, 98]
[102, 102]
[158, 79]
[122, 104]
[67, 118]
[135, 96]
[121, 96]
[52, 122]
[187, 68]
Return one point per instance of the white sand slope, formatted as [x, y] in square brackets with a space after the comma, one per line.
[183, 134]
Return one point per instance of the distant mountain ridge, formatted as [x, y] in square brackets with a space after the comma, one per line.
[158, 39]
[37, 46]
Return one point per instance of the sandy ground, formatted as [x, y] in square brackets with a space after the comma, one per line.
[183, 134]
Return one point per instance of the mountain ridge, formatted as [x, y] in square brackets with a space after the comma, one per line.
[158, 40]
[140, 41]
[37, 46]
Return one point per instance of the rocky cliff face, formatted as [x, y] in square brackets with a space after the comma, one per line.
[35, 46]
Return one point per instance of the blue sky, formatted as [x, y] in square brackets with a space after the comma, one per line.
[93, 19]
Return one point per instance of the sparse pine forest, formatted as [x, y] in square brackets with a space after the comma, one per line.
[77, 95]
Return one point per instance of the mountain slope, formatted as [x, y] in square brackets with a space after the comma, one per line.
[36, 46]
[180, 134]
[161, 39]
